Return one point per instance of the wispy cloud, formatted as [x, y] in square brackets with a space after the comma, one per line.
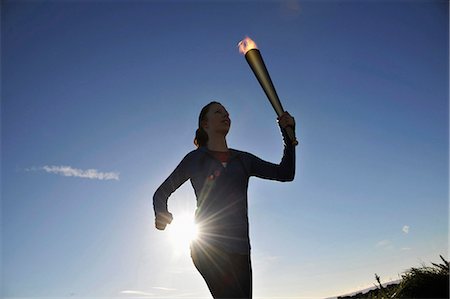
[69, 171]
[384, 244]
[130, 292]
[163, 289]
[405, 229]
[141, 293]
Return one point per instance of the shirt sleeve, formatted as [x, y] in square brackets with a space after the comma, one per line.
[172, 183]
[284, 172]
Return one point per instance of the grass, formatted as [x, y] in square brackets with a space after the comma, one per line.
[424, 282]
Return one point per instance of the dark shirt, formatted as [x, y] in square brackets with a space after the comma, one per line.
[222, 208]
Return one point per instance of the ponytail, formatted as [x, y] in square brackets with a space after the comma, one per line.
[201, 137]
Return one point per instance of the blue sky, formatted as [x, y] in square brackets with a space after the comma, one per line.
[115, 87]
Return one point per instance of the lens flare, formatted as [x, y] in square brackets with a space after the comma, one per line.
[182, 231]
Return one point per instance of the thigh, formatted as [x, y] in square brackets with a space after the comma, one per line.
[242, 273]
[227, 275]
[214, 266]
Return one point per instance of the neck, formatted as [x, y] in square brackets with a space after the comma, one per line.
[217, 143]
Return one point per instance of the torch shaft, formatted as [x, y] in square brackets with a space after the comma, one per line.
[258, 67]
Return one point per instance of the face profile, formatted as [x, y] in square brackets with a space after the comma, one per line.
[217, 120]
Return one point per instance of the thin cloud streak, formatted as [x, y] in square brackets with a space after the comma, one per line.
[130, 292]
[163, 289]
[384, 243]
[69, 171]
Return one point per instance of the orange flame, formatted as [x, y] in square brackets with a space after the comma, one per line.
[246, 44]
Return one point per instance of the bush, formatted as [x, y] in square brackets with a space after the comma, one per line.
[425, 282]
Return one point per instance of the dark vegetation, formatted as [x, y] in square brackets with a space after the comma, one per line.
[424, 282]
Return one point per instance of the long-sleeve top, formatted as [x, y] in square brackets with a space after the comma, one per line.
[222, 208]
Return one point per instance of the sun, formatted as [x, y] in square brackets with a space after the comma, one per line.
[182, 231]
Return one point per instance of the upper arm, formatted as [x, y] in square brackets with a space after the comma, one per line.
[180, 175]
[284, 171]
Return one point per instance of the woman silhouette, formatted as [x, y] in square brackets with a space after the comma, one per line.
[220, 177]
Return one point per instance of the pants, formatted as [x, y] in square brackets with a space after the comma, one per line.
[227, 275]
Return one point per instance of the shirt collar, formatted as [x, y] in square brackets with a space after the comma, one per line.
[204, 149]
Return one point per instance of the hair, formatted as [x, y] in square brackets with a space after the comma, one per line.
[201, 137]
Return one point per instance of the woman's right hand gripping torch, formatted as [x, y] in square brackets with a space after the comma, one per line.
[287, 122]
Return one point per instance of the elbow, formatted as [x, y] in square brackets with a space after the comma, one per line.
[289, 177]
[287, 171]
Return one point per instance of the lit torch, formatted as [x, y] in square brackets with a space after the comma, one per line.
[248, 47]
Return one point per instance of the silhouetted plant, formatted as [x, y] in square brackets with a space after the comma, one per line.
[425, 282]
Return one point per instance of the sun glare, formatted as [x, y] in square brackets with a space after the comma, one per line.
[182, 231]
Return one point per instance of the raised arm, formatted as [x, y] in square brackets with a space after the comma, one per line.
[285, 171]
[172, 183]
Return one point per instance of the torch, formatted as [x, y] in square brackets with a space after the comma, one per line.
[248, 47]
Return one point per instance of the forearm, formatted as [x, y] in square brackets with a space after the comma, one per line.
[162, 194]
[160, 201]
[287, 165]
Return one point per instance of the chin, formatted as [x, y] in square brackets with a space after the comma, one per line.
[225, 131]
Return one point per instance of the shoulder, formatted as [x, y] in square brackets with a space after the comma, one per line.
[238, 152]
[195, 155]
[242, 154]
[190, 160]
